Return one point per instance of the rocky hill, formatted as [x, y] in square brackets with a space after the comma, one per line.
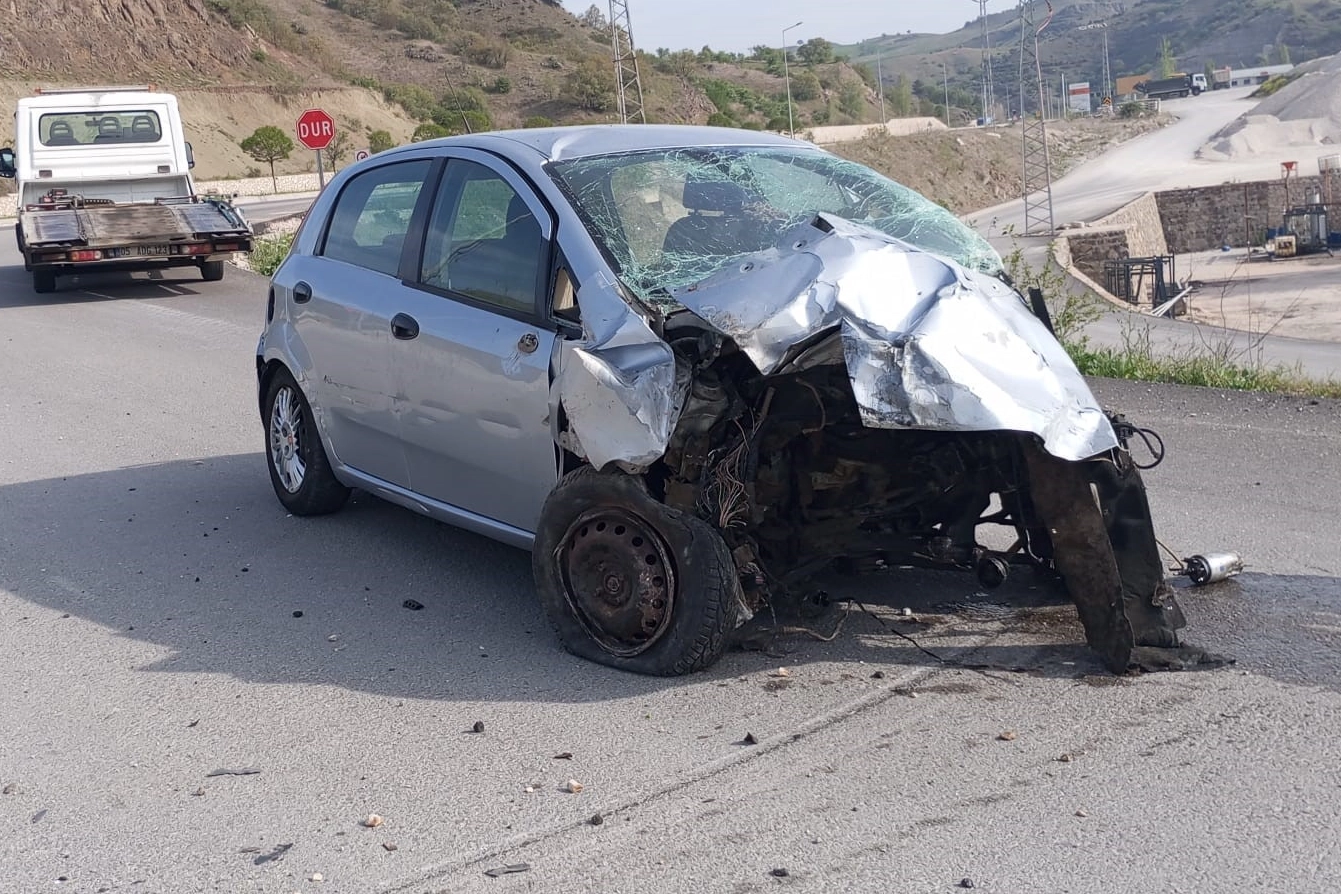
[1237, 33]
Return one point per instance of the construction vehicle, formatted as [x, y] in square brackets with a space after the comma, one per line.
[104, 183]
[1168, 88]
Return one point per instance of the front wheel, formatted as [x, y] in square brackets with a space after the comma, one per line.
[299, 470]
[212, 271]
[629, 582]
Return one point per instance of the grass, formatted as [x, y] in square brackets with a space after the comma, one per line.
[1217, 363]
[268, 251]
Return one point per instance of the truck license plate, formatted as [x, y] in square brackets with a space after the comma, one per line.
[149, 250]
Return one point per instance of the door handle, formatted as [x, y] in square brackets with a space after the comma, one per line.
[302, 292]
[404, 327]
[528, 343]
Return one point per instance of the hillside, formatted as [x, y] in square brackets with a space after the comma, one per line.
[1241, 34]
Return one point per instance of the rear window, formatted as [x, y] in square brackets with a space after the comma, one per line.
[95, 127]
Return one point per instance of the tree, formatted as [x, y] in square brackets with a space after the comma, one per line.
[379, 141]
[589, 87]
[1168, 62]
[901, 97]
[815, 51]
[429, 131]
[851, 100]
[1283, 53]
[337, 149]
[806, 86]
[268, 144]
[593, 18]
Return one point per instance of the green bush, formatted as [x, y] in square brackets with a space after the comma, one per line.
[537, 121]
[501, 84]
[268, 252]
[718, 119]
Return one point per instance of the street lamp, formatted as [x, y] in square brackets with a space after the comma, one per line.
[1108, 71]
[786, 76]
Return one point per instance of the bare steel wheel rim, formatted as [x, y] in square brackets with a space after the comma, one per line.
[618, 579]
[286, 445]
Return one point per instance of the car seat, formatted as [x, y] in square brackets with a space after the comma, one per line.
[61, 134]
[109, 130]
[143, 130]
[716, 211]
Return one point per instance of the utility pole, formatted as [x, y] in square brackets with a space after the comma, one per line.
[988, 82]
[1036, 183]
[630, 86]
[945, 72]
[880, 83]
[787, 77]
[1108, 92]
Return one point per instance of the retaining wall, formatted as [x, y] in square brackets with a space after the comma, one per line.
[1234, 214]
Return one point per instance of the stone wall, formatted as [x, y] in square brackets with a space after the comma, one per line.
[1145, 228]
[1235, 214]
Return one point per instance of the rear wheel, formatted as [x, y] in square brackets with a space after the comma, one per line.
[299, 470]
[629, 582]
[212, 271]
[44, 281]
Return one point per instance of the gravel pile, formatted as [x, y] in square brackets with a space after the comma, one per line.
[1305, 114]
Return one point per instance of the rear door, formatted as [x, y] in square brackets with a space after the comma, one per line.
[473, 382]
[343, 300]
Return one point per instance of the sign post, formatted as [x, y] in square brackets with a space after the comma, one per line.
[315, 130]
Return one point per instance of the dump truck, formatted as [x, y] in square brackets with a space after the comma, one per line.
[1169, 88]
[1222, 78]
[104, 183]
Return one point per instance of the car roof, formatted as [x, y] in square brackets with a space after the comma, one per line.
[559, 143]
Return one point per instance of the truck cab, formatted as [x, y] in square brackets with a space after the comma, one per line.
[1199, 83]
[104, 181]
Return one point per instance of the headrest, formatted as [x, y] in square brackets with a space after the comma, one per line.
[713, 195]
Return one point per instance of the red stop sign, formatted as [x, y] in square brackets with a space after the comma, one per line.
[315, 129]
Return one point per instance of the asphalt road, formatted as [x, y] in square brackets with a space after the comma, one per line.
[149, 591]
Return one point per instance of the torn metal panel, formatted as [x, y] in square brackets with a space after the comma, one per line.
[928, 343]
[618, 384]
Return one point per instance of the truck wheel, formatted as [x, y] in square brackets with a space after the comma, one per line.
[211, 271]
[299, 470]
[629, 582]
[44, 281]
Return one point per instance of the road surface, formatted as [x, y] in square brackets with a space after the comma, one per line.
[200, 693]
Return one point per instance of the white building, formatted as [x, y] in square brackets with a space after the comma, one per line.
[1247, 77]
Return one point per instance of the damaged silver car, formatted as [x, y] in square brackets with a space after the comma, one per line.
[690, 368]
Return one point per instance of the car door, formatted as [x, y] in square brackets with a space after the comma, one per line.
[343, 301]
[473, 378]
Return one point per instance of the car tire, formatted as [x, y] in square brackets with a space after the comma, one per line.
[44, 281]
[300, 472]
[212, 271]
[665, 594]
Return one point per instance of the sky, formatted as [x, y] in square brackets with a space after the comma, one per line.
[737, 25]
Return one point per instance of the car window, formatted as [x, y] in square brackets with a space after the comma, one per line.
[372, 216]
[483, 241]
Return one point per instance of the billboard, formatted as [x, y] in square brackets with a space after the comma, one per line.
[1078, 98]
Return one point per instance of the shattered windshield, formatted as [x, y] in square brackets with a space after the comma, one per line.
[670, 218]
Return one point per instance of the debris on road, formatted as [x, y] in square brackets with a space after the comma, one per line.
[1082, 813]
[507, 870]
[780, 872]
[198, 793]
[596, 820]
[297, 613]
[749, 739]
[275, 854]
[230, 771]
[37, 817]
[966, 883]
[1008, 736]
[413, 605]
[780, 672]
[477, 726]
[316, 877]
[572, 787]
[373, 820]
[390, 846]
[1212, 568]
[1065, 758]
[9, 789]
[564, 756]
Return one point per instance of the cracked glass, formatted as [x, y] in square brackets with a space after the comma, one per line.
[670, 218]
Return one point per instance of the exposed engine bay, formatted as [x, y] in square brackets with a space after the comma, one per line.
[783, 466]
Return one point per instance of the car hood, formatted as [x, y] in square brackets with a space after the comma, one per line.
[928, 344]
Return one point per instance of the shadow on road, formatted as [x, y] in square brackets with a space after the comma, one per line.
[197, 557]
[16, 286]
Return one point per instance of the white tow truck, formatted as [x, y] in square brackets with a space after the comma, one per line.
[104, 183]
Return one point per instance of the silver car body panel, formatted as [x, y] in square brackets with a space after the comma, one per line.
[928, 343]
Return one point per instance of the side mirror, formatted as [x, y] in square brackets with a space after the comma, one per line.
[7, 163]
[190, 156]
